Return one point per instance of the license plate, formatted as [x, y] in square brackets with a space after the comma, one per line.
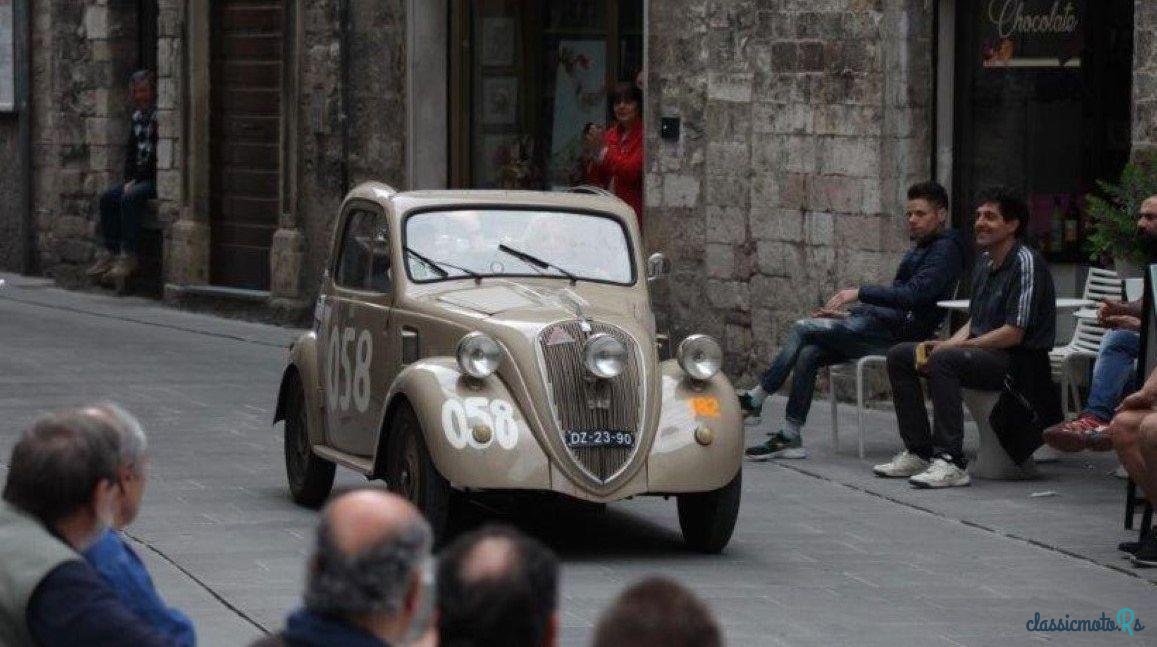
[599, 439]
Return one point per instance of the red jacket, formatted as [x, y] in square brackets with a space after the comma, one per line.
[621, 168]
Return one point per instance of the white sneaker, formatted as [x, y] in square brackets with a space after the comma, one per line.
[941, 474]
[903, 465]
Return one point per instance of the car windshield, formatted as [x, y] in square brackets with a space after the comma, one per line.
[515, 242]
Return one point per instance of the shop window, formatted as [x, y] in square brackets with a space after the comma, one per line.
[527, 79]
[1043, 96]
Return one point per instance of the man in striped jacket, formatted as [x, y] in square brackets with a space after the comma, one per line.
[1012, 322]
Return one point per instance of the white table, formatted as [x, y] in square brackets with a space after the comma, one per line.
[1064, 303]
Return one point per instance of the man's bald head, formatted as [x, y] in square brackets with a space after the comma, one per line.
[362, 519]
[497, 586]
[370, 547]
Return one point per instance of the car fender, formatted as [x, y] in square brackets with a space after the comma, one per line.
[449, 406]
[678, 462]
[303, 361]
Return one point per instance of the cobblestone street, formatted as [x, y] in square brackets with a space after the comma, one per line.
[824, 554]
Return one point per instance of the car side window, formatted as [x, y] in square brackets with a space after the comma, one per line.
[364, 263]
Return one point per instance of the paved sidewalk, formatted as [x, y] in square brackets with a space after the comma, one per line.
[1081, 514]
[824, 553]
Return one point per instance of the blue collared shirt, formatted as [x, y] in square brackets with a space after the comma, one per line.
[126, 574]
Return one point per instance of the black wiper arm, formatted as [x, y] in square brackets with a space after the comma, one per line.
[440, 266]
[536, 261]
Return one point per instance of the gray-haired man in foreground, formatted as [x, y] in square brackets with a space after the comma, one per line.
[365, 581]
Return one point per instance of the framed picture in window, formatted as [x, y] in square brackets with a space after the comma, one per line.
[499, 100]
[497, 46]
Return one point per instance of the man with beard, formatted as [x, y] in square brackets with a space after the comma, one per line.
[1113, 370]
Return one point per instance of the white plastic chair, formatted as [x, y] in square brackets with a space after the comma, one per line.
[840, 370]
[1085, 344]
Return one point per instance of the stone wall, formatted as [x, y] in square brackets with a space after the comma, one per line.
[332, 159]
[82, 55]
[802, 125]
[1144, 75]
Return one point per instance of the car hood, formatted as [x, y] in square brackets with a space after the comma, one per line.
[529, 307]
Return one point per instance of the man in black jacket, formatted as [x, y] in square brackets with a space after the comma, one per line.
[122, 206]
[1011, 326]
[904, 310]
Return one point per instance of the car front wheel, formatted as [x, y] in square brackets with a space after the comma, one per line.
[310, 477]
[708, 518]
[410, 471]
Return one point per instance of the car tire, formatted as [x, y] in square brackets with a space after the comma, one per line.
[410, 472]
[708, 518]
[310, 477]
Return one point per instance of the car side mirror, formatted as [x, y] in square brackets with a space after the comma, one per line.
[658, 266]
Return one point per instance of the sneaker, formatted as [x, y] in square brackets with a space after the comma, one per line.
[1086, 432]
[1146, 555]
[100, 267]
[1130, 547]
[778, 446]
[941, 474]
[748, 404]
[903, 465]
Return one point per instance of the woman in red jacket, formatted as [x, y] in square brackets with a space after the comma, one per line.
[617, 160]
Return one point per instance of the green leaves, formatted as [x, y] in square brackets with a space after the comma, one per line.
[1113, 214]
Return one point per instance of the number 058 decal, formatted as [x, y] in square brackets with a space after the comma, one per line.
[460, 416]
[346, 383]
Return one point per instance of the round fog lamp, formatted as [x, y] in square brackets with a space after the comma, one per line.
[478, 355]
[604, 356]
[700, 356]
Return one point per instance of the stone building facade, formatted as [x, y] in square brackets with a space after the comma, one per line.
[801, 123]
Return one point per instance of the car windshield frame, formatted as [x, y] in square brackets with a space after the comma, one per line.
[405, 240]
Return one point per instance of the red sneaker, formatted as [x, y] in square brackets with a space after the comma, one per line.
[1086, 432]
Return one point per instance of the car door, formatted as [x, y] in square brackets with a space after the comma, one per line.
[359, 353]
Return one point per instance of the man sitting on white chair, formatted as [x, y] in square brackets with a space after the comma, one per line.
[904, 310]
[1012, 320]
[1113, 371]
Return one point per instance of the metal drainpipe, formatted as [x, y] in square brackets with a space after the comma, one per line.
[344, 62]
[22, 31]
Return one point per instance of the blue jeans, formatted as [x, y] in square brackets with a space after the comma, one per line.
[814, 343]
[120, 215]
[1112, 372]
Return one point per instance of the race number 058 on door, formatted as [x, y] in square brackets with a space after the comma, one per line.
[348, 368]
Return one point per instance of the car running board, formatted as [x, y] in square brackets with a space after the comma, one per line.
[363, 464]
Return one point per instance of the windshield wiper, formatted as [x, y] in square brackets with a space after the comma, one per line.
[440, 266]
[536, 261]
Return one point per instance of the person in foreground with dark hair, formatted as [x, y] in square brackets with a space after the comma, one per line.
[364, 585]
[497, 588]
[1009, 332]
[61, 494]
[886, 314]
[657, 612]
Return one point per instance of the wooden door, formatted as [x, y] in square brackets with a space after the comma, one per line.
[245, 79]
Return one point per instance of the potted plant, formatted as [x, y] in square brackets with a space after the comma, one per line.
[1113, 216]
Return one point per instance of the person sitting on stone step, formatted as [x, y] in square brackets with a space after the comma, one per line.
[123, 205]
[887, 314]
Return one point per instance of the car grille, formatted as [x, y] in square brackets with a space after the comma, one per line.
[582, 403]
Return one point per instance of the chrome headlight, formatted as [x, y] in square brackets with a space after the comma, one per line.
[604, 356]
[479, 355]
[700, 356]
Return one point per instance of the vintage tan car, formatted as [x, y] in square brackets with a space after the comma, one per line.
[491, 341]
